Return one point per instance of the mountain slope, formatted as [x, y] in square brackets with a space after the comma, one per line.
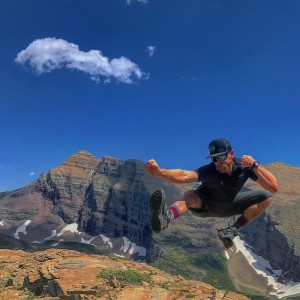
[102, 205]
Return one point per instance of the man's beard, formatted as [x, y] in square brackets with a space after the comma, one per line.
[224, 167]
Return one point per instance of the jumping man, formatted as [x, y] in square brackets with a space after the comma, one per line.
[219, 192]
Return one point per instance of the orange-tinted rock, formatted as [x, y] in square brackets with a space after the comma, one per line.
[66, 274]
[80, 165]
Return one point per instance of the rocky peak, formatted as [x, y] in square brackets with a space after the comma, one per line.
[66, 184]
[110, 166]
[81, 164]
[108, 157]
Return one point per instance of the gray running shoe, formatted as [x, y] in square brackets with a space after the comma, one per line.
[159, 209]
[227, 235]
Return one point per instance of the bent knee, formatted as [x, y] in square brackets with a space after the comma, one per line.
[264, 204]
[192, 199]
[190, 196]
[269, 200]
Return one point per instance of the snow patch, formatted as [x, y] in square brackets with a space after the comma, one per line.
[226, 255]
[106, 240]
[137, 249]
[290, 289]
[263, 267]
[52, 235]
[45, 239]
[21, 229]
[36, 242]
[83, 241]
[122, 256]
[126, 244]
[1, 223]
[73, 228]
[134, 248]
[55, 244]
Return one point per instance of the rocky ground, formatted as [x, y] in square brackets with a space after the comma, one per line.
[65, 274]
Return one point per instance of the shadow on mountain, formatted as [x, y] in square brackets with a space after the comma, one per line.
[8, 242]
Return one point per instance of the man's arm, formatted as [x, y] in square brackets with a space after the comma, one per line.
[172, 176]
[265, 178]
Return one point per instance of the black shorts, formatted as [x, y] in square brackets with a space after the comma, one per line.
[239, 204]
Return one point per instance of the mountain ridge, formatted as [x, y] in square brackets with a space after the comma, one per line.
[103, 204]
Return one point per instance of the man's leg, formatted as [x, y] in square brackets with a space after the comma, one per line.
[189, 200]
[252, 212]
[256, 210]
[162, 215]
[250, 205]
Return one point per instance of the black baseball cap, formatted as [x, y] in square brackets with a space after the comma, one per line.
[218, 147]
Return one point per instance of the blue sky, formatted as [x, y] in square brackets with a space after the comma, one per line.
[146, 79]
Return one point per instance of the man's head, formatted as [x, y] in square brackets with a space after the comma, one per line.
[221, 154]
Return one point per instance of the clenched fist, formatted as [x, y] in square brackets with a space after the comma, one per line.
[152, 168]
[247, 161]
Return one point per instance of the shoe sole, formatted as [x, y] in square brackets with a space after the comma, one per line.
[227, 241]
[155, 205]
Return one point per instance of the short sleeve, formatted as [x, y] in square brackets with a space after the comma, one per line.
[203, 172]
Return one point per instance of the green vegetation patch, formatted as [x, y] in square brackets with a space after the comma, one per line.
[193, 256]
[124, 276]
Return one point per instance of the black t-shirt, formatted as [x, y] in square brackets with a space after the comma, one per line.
[218, 188]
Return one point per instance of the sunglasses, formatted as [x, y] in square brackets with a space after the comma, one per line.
[220, 157]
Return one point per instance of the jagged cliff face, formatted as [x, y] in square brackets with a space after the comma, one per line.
[286, 203]
[270, 243]
[275, 235]
[116, 202]
[106, 196]
[66, 185]
[98, 202]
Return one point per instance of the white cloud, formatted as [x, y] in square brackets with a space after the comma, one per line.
[48, 54]
[31, 173]
[150, 50]
[141, 1]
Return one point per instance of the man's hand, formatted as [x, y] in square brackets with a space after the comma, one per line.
[152, 168]
[247, 161]
[265, 178]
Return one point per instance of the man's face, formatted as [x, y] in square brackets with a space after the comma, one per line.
[225, 166]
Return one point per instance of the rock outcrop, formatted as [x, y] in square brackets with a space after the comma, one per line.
[275, 234]
[66, 185]
[271, 244]
[63, 274]
[116, 202]
[103, 203]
